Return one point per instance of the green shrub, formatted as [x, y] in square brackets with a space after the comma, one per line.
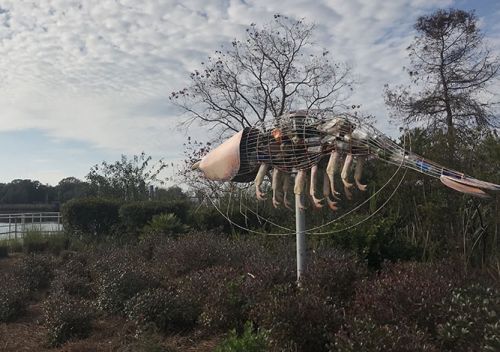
[198, 251]
[36, 271]
[167, 224]
[374, 241]
[15, 245]
[197, 285]
[90, 218]
[34, 241]
[66, 318]
[119, 280]
[74, 277]
[411, 292]
[226, 303]
[335, 274]
[472, 322]
[148, 342]
[297, 319]
[161, 310]
[367, 336]
[13, 298]
[193, 252]
[208, 218]
[228, 277]
[248, 341]
[223, 294]
[136, 215]
[57, 242]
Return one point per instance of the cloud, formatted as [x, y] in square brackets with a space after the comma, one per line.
[100, 71]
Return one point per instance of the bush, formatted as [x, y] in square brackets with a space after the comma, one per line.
[90, 218]
[36, 271]
[57, 242]
[410, 292]
[167, 224]
[121, 275]
[472, 321]
[207, 218]
[375, 241]
[148, 343]
[268, 266]
[297, 319]
[13, 298]
[15, 245]
[194, 252]
[136, 215]
[219, 293]
[248, 341]
[238, 277]
[335, 274]
[34, 241]
[227, 303]
[66, 318]
[74, 277]
[199, 251]
[367, 336]
[162, 310]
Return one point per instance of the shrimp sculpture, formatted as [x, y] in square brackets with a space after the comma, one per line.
[311, 146]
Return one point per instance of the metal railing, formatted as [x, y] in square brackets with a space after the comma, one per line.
[14, 226]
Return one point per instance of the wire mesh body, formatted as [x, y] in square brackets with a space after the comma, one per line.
[298, 140]
[318, 140]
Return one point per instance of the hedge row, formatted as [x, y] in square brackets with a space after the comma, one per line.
[91, 216]
[94, 217]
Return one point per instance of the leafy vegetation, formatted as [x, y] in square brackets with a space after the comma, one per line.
[126, 179]
[166, 224]
[35, 241]
[162, 310]
[136, 215]
[90, 217]
[66, 317]
[210, 284]
[248, 341]
[13, 298]
[472, 319]
[36, 271]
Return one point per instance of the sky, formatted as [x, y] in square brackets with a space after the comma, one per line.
[83, 81]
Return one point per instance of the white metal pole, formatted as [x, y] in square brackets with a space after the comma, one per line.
[300, 228]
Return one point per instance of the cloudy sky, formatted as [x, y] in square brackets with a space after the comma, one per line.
[83, 81]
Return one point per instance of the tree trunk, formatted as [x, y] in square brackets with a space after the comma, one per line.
[450, 129]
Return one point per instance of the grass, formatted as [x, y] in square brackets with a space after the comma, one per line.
[10, 246]
[35, 241]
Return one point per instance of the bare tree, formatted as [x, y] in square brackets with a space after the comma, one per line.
[273, 69]
[451, 68]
